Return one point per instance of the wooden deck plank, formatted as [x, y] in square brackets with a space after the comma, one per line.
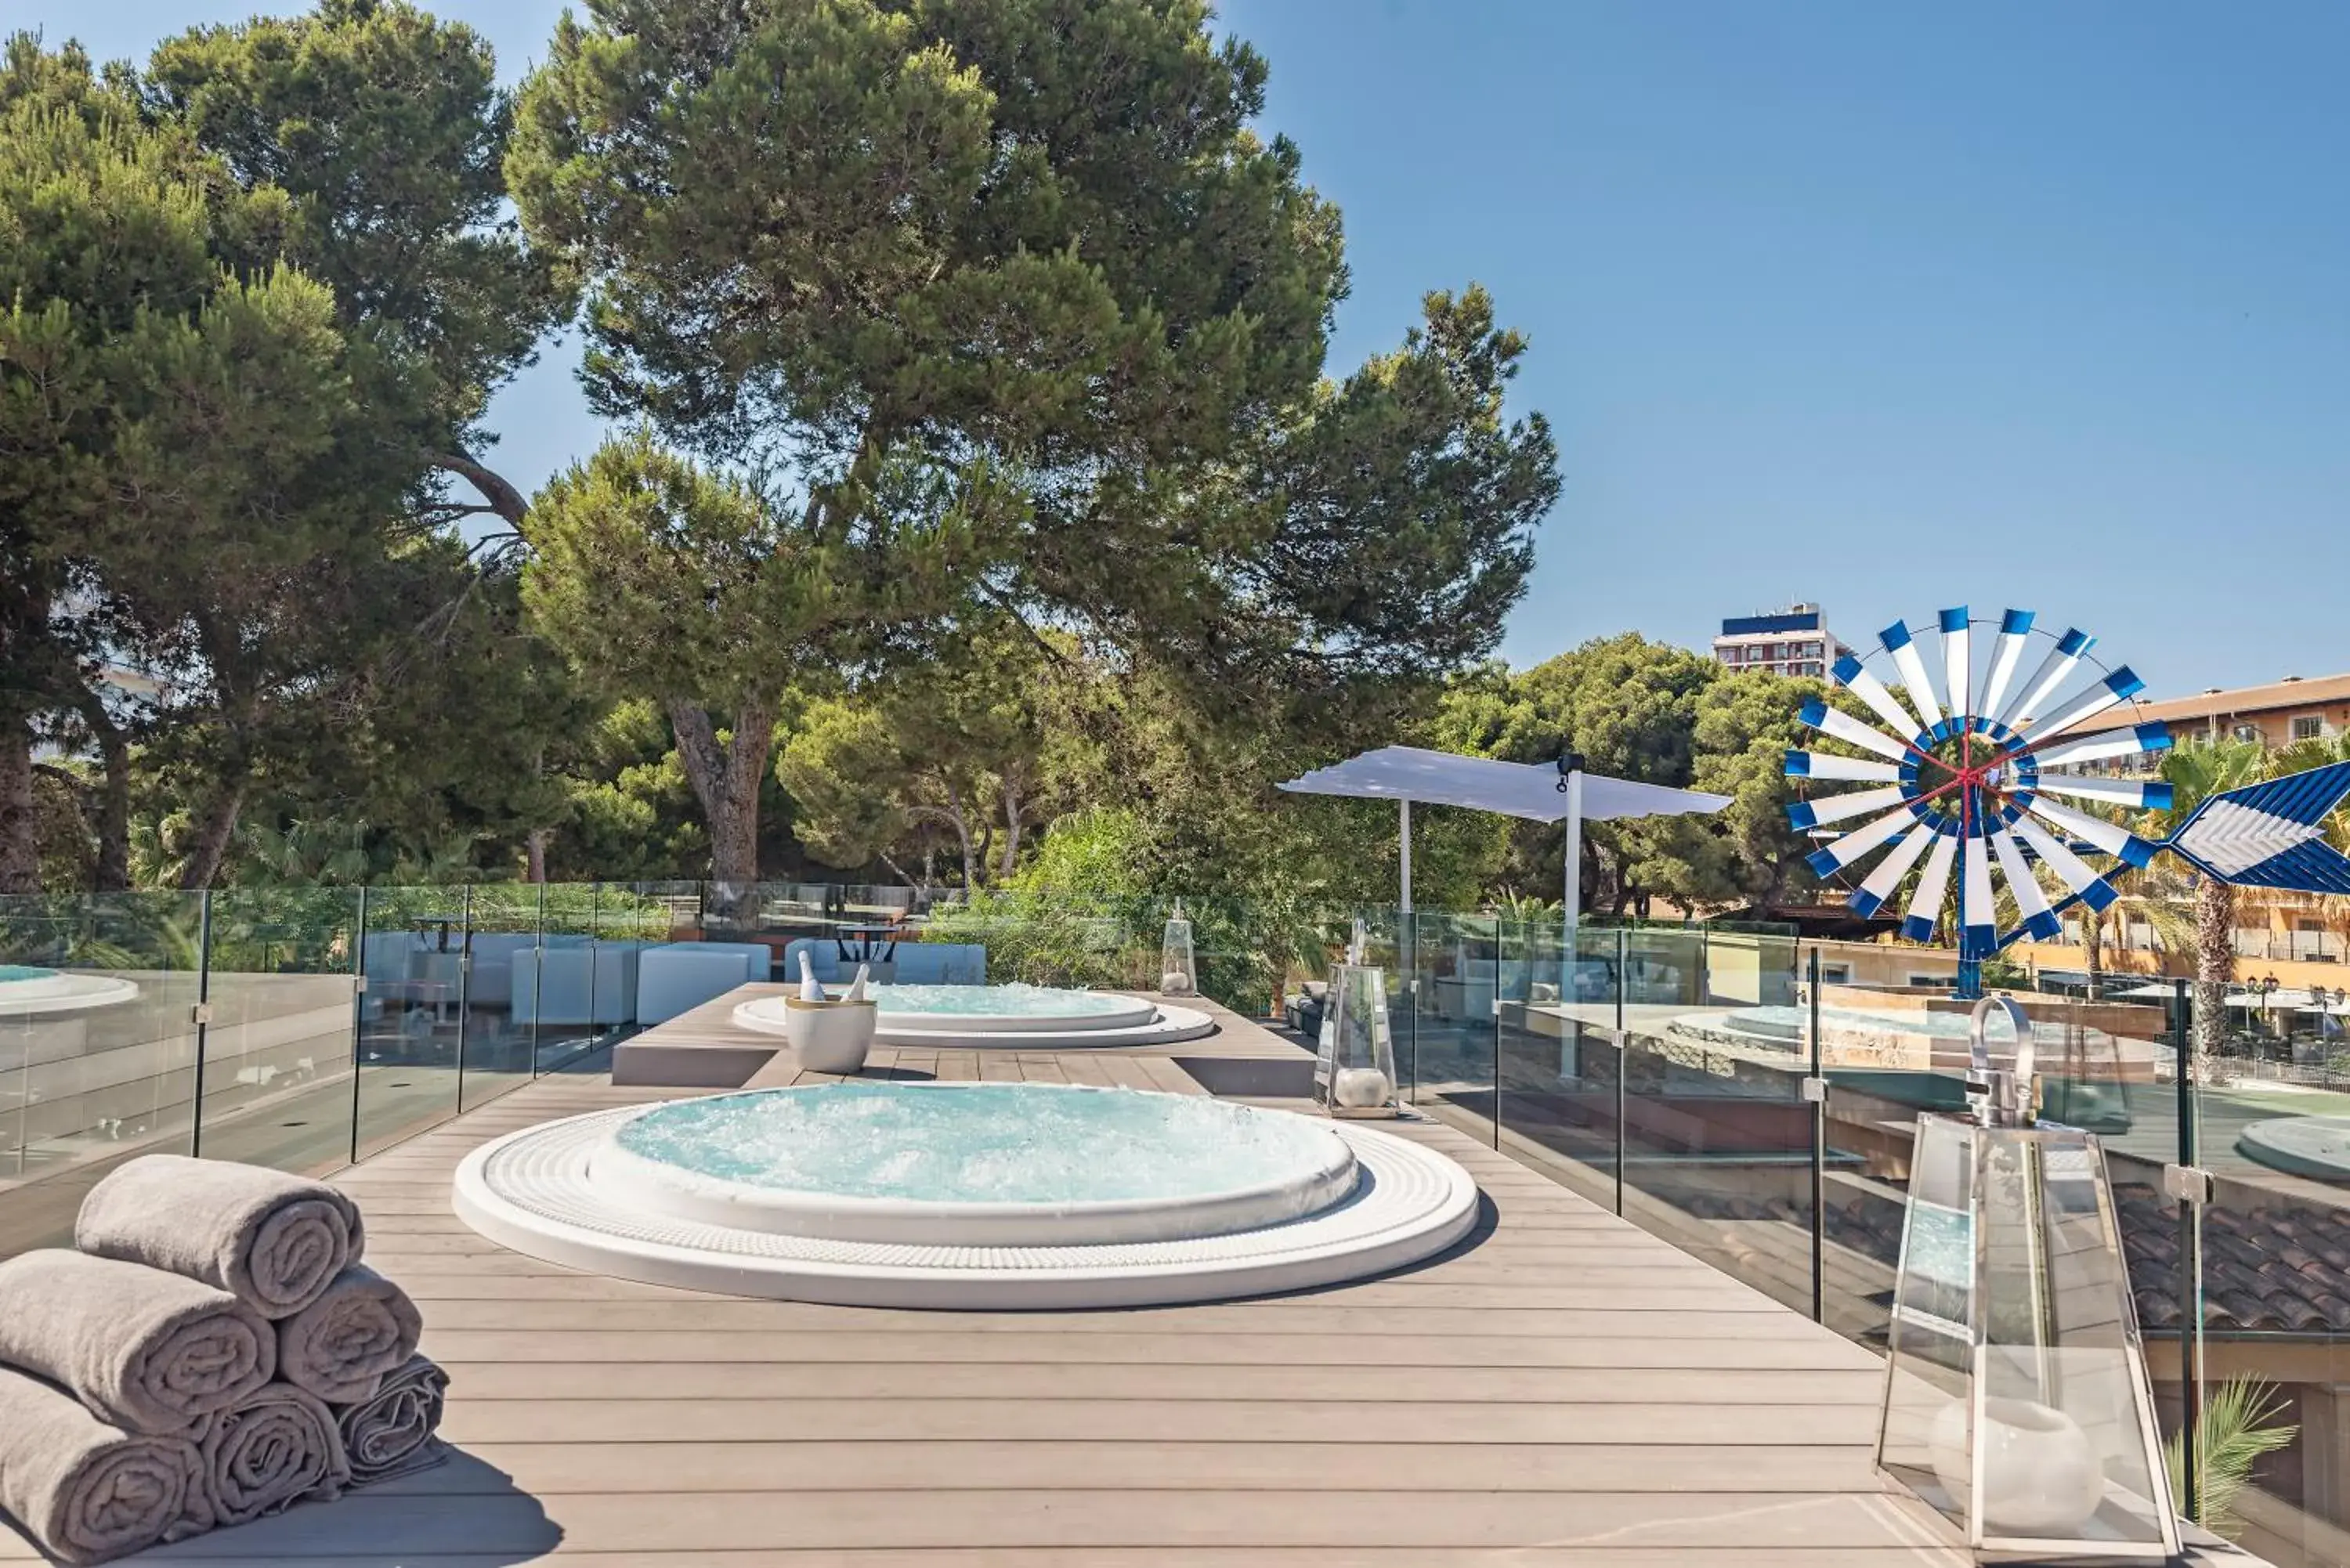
[651, 1424]
[1063, 1379]
[1564, 1390]
[736, 1465]
[684, 1519]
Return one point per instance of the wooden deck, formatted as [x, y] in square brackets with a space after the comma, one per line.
[1561, 1390]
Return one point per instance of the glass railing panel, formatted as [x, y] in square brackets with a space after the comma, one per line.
[1454, 986]
[280, 1051]
[498, 1043]
[2275, 1291]
[1717, 1133]
[1559, 1062]
[578, 991]
[411, 1018]
[97, 1046]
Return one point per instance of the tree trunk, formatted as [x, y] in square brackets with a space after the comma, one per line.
[2092, 947]
[963, 835]
[2215, 966]
[1011, 861]
[536, 850]
[212, 832]
[113, 871]
[502, 497]
[20, 845]
[725, 779]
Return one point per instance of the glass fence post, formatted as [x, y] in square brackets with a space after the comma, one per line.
[1817, 1088]
[2191, 1265]
[201, 1019]
[538, 947]
[1623, 1057]
[1499, 947]
[359, 1012]
[464, 978]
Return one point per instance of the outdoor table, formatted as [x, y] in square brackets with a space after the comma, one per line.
[866, 944]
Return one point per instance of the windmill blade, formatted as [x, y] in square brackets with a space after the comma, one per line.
[1828, 765]
[1859, 842]
[1870, 895]
[2117, 842]
[1807, 814]
[2271, 835]
[2053, 671]
[2118, 687]
[1856, 678]
[1978, 912]
[1958, 663]
[1845, 727]
[2030, 902]
[2014, 631]
[1925, 898]
[2106, 745]
[1904, 650]
[2138, 795]
[2071, 869]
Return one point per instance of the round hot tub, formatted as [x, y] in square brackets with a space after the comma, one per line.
[28, 990]
[1031, 1016]
[967, 1196]
[1006, 1009]
[974, 1164]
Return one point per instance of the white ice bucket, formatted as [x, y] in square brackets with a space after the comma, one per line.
[829, 1036]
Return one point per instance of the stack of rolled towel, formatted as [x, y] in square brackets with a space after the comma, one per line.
[211, 1351]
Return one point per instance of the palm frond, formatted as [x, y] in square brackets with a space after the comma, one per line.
[2239, 1426]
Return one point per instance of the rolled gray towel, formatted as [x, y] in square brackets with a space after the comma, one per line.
[393, 1433]
[266, 1452]
[340, 1346]
[138, 1347]
[276, 1240]
[84, 1490]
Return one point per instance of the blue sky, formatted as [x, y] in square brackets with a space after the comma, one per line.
[1886, 307]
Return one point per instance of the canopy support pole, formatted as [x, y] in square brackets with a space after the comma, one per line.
[1571, 916]
[1407, 855]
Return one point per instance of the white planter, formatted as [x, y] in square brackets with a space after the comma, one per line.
[2041, 1474]
[829, 1036]
[1361, 1089]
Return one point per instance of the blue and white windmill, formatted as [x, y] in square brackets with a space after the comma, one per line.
[1962, 775]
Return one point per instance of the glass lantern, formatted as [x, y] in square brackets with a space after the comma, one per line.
[1355, 1072]
[1179, 971]
[2016, 1399]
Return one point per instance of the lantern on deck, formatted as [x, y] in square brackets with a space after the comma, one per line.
[1354, 1072]
[1179, 969]
[2016, 1400]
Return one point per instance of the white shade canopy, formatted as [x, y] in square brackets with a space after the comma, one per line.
[1528, 790]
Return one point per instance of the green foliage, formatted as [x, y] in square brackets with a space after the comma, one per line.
[981, 746]
[1099, 852]
[1026, 270]
[1007, 222]
[1743, 726]
[387, 130]
[184, 422]
[636, 539]
[260, 289]
[1659, 714]
[2239, 1424]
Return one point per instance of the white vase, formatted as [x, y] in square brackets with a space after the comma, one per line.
[1360, 1088]
[829, 1036]
[2041, 1474]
